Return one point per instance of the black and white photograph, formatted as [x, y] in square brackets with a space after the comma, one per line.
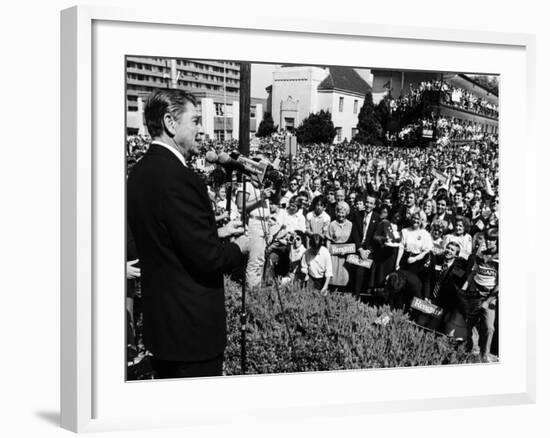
[288, 218]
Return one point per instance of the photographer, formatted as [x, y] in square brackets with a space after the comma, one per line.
[258, 213]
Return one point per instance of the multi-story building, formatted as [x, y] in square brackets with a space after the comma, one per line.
[298, 91]
[448, 96]
[214, 83]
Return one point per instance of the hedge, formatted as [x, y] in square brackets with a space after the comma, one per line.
[335, 332]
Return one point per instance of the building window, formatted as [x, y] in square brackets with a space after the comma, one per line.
[339, 133]
[353, 132]
[341, 104]
[355, 105]
[219, 109]
[253, 112]
[221, 135]
[289, 122]
[229, 110]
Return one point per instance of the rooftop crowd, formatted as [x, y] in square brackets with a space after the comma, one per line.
[449, 95]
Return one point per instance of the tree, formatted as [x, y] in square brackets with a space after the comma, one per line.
[369, 129]
[382, 113]
[316, 128]
[267, 126]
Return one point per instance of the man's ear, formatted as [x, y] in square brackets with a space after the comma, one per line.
[169, 124]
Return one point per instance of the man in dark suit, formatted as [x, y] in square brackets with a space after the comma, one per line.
[446, 275]
[442, 215]
[362, 232]
[181, 254]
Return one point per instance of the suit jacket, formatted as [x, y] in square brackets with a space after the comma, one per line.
[182, 259]
[452, 281]
[131, 254]
[358, 229]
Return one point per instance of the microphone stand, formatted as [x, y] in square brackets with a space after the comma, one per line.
[228, 193]
[243, 294]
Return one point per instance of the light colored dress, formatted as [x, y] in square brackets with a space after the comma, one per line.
[339, 233]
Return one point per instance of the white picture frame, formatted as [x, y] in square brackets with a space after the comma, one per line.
[85, 360]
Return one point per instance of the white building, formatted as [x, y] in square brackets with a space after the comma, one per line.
[298, 91]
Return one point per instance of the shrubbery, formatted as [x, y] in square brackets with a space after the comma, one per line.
[327, 333]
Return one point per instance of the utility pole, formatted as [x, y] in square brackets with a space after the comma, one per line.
[244, 149]
[244, 106]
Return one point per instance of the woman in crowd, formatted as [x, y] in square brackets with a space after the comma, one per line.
[416, 244]
[339, 231]
[436, 231]
[461, 236]
[221, 204]
[296, 252]
[294, 218]
[316, 265]
[387, 239]
[429, 208]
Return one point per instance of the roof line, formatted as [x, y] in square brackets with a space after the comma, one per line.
[462, 75]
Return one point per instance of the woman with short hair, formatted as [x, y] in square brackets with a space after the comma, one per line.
[339, 231]
[317, 265]
[416, 244]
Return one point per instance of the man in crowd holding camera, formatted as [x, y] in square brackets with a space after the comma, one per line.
[258, 214]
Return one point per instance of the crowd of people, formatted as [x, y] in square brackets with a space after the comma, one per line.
[443, 129]
[376, 221]
[448, 95]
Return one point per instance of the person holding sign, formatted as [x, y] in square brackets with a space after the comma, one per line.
[339, 231]
[446, 274]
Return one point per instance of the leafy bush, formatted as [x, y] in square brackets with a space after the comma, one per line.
[327, 333]
[369, 129]
[316, 128]
[267, 126]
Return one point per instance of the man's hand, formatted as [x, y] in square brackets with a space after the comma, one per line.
[232, 228]
[266, 193]
[364, 253]
[411, 260]
[243, 242]
[131, 271]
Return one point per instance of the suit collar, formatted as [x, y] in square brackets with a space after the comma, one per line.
[161, 147]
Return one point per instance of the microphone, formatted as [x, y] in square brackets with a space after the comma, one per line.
[230, 164]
